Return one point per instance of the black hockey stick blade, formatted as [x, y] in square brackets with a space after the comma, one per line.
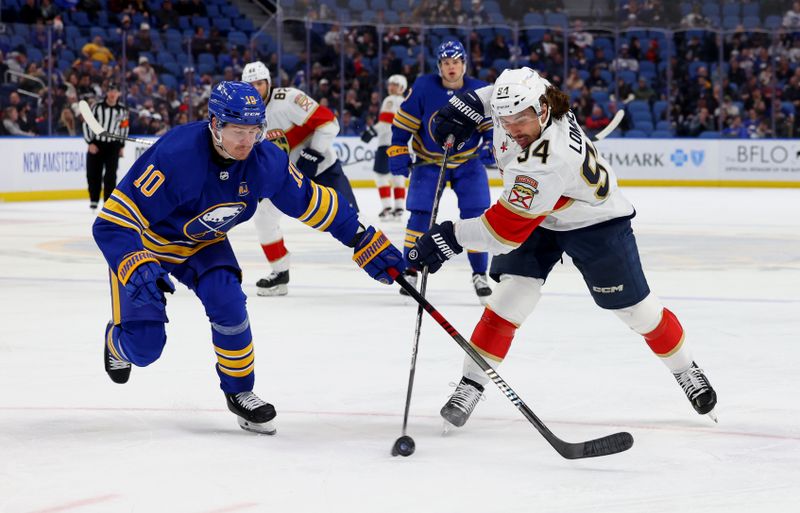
[604, 446]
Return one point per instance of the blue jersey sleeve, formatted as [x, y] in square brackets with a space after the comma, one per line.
[150, 191]
[319, 207]
[408, 118]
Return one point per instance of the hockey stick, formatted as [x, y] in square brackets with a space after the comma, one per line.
[611, 444]
[448, 145]
[612, 125]
[98, 129]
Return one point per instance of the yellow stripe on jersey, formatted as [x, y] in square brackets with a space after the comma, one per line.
[115, 209]
[485, 126]
[322, 208]
[116, 305]
[413, 120]
[120, 222]
[406, 121]
[131, 205]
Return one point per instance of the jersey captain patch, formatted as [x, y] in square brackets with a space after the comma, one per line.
[522, 193]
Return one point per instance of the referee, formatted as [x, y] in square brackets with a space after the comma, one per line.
[103, 151]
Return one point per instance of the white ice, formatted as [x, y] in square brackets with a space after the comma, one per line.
[333, 356]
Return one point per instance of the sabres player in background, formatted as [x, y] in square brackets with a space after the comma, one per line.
[305, 130]
[388, 184]
[560, 196]
[466, 174]
[170, 216]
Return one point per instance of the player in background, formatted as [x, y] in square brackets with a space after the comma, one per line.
[387, 183]
[466, 174]
[305, 130]
[170, 216]
[560, 196]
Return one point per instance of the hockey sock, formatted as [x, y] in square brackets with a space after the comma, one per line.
[479, 261]
[383, 181]
[666, 341]
[417, 225]
[491, 338]
[277, 255]
[399, 189]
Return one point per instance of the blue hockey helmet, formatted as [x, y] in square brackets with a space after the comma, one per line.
[451, 50]
[236, 102]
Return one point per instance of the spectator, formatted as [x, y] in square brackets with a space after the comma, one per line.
[694, 18]
[580, 37]
[198, 8]
[596, 82]
[498, 49]
[28, 13]
[643, 91]
[97, 51]
[47, 10]
[624, 61]
[736, 130]
[166, 17]
[574, 81]
[702, 122]
[598, 120]
[145, 73]
[66, 122]
[143, 38]
[11, 123]
[792, 18]
[3, 67]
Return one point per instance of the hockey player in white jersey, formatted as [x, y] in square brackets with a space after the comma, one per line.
[305, 130]
[560, 196]
[387, 183]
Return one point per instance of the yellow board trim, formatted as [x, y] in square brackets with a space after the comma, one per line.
[44, 195]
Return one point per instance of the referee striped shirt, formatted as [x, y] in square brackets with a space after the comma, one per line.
[113, 119]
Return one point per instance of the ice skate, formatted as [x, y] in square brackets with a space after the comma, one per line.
[253, 414]
[458, 408]
[397, 213]
[411, 277]
[276, 284]
[481, 284]
[117, 369]
[698, 390]
[386, 214]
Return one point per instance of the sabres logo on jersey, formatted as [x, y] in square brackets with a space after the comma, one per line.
[522, 193]
[214, 222]
[278, 138]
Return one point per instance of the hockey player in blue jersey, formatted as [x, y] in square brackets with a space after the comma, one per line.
[466, 174]
[170, 216]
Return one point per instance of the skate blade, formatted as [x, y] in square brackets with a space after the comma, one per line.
[278, 290]
[266, 428]
[447, 428]
[713, 416]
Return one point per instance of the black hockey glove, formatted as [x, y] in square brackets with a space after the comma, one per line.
[308, 162]
[460, 117]
[368, 134]
[435, 247]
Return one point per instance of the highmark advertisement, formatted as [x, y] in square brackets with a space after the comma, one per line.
[55, 167]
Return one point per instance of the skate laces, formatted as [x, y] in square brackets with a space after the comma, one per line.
[117, 364]
[693, 382]
[465, 396]
[249, 400]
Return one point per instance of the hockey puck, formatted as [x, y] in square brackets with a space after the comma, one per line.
[404, 446]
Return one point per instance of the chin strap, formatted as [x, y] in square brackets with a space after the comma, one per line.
[216, 135]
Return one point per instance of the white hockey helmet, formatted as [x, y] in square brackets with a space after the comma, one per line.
[256, 71]
[517, 89]
[399, 80]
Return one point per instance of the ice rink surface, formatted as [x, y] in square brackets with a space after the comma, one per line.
[333, 356]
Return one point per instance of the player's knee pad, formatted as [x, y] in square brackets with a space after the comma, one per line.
[644, 316]
[515, 297]
[221, 294]
[142, 342]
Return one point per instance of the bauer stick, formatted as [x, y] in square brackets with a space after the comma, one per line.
[611, 444]
[98, 129]
[448, 145]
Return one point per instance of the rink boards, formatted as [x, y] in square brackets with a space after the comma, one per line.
[55, 167]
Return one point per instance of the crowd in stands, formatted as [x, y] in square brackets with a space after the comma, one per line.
[688, 81]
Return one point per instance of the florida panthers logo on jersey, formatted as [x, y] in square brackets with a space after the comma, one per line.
[523, 191]
[278, 138]
[214, 222]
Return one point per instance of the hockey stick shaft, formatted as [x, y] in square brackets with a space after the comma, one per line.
[99, 131]
[611, 444]
[423, 283]
[612, 125]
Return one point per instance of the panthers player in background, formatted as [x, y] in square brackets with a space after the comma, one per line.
[305, 130]
[170, 216]
[560, 196]
[466, 174]
[388, 184]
